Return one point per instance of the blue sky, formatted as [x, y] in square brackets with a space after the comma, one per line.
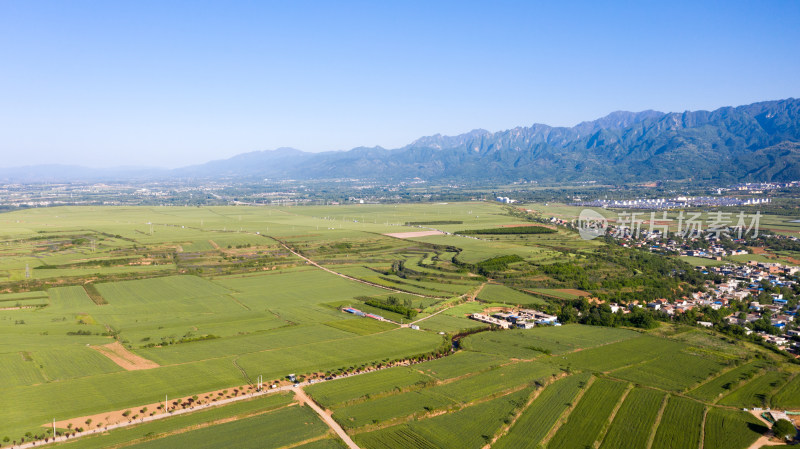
[168, 83]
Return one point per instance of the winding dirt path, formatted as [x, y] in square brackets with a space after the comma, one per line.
[311, 262]
[303, 398]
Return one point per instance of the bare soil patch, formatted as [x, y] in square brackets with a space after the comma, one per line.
[573, 291]
[124, 358]
[408, 235]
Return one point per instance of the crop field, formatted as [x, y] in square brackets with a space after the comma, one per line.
[500, 293]
[680, 425]
[385, 408]
[789, 395]
[495, 381]
[459, 364]
[721, 385]
[586, 421]
[620, 354]
[448, 323]
[758, 391]
[470, 427]
[332, 394]
[537, 420]
[661, 372]
[163, 427]
[731, 429]
[534, 342]
[633, 423]
[123, 306]
[269, 430]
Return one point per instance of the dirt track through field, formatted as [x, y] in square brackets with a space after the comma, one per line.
[325, 415]
[124, 358]
[311, 262]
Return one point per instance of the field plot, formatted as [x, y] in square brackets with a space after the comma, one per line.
[181, 423]
[680, 425]
[585, 422]
[535, 422]
[721, 385]
[731, 429]
[662, 372]
[383, 409]
[757, 392]
[341, 391]
[789, 395]
[471, 427]
[620, 354]
[505, 295]
[270, 430]
[361, 326]
[459, 364]
[495, 381]
[634, 421]
[534, 342]
[444, 322]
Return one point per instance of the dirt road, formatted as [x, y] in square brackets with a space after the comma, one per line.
[326, 417]
[311, 262]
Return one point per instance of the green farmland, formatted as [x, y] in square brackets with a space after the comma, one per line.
[120, 308]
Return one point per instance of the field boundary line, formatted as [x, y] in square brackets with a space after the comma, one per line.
[711, 379]
[788, 381]
[703, 428]
[604, 431]
[342, 274]
[503, 431]
[452, 408]
[657, 422]
[310, 440]
[740, 385]
[565, 414]
[238, 302]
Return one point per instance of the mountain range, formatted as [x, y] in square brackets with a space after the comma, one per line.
[756, 142]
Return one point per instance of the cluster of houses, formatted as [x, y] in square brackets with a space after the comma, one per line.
[521, 319]
[671, 203]
[744, 283]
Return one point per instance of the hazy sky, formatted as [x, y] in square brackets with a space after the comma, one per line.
[168, 83]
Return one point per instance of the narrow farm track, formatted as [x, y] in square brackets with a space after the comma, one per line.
[611, 417]
[325, 415]
[657, 422]
[565, 415]
[703, 428]
[535, 395]
[311, 262]
[471, 298]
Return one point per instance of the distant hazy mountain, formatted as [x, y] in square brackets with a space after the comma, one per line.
[760, 141]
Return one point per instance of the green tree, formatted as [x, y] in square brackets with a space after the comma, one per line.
[783, 428]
